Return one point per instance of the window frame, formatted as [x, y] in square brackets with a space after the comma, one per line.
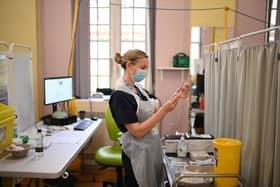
[115, 31]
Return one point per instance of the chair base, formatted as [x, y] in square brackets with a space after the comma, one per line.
[119, 179]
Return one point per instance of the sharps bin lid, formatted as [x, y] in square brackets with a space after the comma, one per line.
[226, 142]
[5, 111]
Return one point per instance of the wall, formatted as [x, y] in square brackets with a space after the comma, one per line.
[212, 18]
[172, 36]
[55, 42]
[243, 25]
[18, 23]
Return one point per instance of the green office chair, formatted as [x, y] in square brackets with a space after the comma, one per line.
[111, 156]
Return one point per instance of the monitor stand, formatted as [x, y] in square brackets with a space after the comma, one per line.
[54, 107]
[58, 118]
[58, 114]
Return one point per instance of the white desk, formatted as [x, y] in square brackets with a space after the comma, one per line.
[57, 157]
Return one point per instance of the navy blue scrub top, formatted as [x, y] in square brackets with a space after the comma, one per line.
[124, 107]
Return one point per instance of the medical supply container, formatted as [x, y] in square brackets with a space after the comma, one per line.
[227, 156]
[7, 118]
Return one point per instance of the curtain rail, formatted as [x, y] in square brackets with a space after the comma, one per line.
[242, 36]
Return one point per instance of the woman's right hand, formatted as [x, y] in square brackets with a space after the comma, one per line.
[171, 103]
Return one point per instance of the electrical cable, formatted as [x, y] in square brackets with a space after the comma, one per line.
[169, 9]
[195, 9]
[246, 15]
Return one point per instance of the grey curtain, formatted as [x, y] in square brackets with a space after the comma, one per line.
[81, 71]
[242, 101]
[149, 81]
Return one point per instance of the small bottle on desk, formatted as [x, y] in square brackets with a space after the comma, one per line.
[39, 144]
[182, 148]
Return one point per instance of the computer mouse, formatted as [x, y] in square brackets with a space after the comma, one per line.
[94, 118]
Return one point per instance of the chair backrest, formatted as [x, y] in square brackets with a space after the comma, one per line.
[113, 130]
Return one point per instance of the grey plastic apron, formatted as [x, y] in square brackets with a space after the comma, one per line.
[144, 153]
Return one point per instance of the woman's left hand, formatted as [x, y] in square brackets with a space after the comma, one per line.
[183, 91]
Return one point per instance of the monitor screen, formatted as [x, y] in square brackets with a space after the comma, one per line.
[57, 89]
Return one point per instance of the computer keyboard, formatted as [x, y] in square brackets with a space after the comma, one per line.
[83, 124]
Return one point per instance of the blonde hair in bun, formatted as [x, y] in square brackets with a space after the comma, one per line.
[131, 55]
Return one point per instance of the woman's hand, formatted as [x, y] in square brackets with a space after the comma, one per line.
[181, 92]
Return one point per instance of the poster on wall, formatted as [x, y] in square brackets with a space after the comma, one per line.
[3, 79]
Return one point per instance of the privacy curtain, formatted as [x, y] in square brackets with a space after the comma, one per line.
[242, 101]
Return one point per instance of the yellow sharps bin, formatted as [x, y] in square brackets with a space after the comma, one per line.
[7, 118]
[227, 155]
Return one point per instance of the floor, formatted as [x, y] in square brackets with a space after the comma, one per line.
[84, 178]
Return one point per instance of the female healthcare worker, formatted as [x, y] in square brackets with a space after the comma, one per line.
[136, 117]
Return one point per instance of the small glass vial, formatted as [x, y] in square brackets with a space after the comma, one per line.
[182, 147]
[39, 144]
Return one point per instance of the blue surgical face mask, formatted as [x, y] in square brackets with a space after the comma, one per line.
[139, 75]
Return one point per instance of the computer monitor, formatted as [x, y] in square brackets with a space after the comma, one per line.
[57, 90]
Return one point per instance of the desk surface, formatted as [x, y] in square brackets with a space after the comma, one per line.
[64, 148]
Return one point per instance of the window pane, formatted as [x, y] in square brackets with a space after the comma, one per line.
[103, 67]
[103, 32]
[103, 16]
[93, 84]
[93, 32]
[126, 46]
[140, 45]
[140, 3]
[127, 3]
[272, 36]
[139, 32]
[139, 16]
[103, 82]
[93, 49]
[127, 16]
[195, 51]
[126, 32]
[93, 16]
[93, 67]
[195, 36]
[274, 3]
[92, 3]
[103, 3]
[273, 17]
[103, 50]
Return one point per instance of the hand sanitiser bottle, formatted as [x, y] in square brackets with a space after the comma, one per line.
[182, 147]
[39, 144]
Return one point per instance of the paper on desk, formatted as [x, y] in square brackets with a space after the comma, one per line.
[65, 137]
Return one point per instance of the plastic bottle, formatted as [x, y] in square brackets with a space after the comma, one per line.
[39, 144]
[182, 147]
